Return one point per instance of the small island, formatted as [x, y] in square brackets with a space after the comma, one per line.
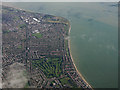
[40, 43]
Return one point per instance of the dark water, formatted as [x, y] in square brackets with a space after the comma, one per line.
[94, 38]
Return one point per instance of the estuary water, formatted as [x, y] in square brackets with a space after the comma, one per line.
[94, 37]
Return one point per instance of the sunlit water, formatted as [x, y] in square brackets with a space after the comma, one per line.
[94, 38]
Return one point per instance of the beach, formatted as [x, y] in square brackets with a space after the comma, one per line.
[74, 63]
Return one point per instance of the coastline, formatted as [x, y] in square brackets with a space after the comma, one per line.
[71, 56]
[73, 61]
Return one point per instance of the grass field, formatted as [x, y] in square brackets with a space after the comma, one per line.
[19, 46]
[38, 35]
[50, 66]
[67, 81]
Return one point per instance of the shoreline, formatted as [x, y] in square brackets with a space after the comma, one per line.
[69, 52]
[73, 60]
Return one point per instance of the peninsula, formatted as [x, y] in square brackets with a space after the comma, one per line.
[39, 44]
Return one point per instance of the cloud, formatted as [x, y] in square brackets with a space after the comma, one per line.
[16, 77]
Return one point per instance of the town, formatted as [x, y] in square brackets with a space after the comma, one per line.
[38, 41]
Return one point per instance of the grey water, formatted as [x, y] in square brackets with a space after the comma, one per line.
[94, 37]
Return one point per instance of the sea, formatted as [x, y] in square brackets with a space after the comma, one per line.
[93, 37]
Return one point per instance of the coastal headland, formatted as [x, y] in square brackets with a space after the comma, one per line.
[38, 43]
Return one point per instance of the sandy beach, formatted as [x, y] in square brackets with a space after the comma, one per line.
[74, 63]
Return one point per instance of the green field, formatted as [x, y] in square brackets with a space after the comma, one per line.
[38, 35]
[66, 46]
[66, 28]
[50, 66]
[5, 31]
[67, 81]
[22, 26]
[19, 46]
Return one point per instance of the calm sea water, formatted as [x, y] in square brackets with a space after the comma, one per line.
[94, 38]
